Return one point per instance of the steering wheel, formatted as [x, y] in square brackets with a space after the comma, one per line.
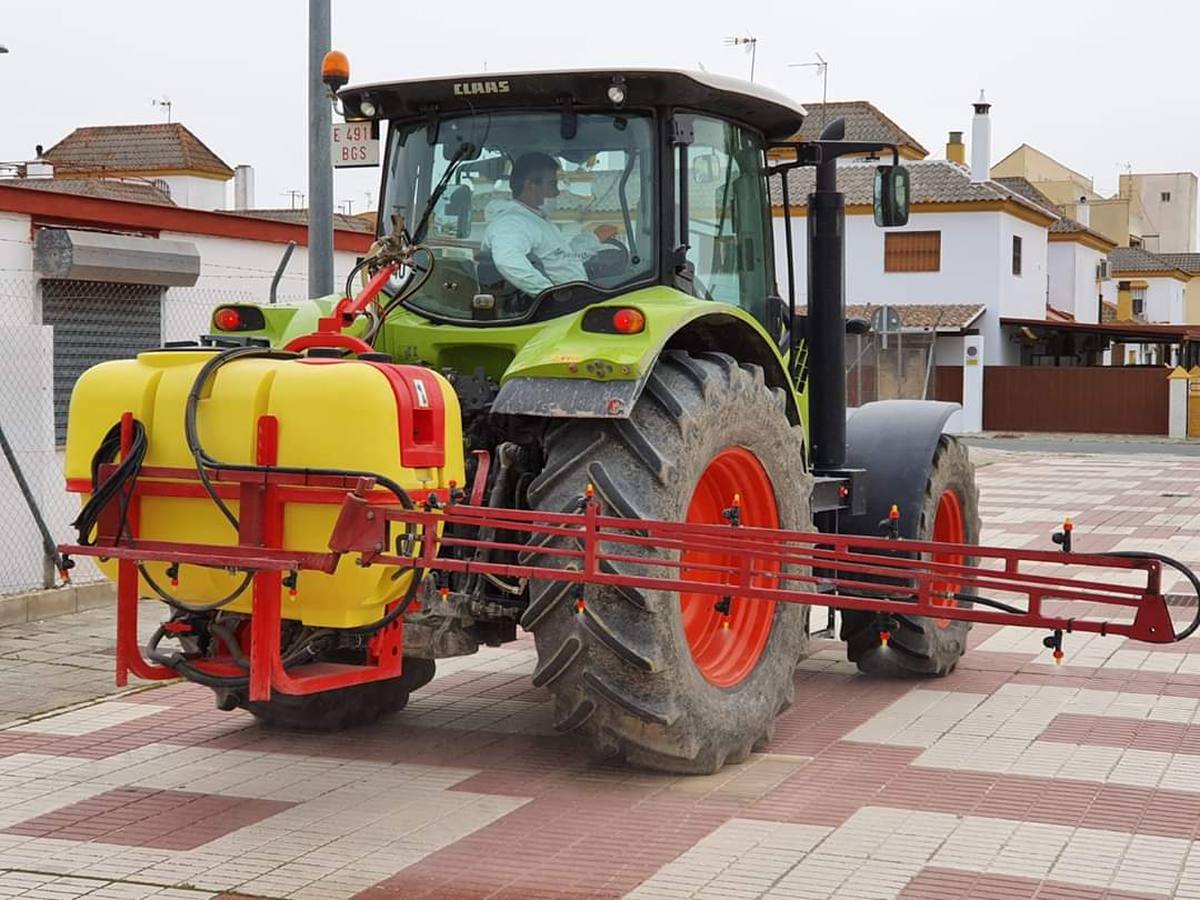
[611, 259]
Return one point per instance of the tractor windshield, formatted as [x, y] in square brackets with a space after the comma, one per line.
[517, 206]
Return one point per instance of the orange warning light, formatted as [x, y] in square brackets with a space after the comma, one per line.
[335, 69]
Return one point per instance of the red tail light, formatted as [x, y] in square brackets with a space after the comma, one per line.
[628, 321]
[227, 319]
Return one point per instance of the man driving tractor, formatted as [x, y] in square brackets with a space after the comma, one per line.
[527, 248]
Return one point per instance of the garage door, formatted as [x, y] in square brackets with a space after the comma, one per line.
[95, 321]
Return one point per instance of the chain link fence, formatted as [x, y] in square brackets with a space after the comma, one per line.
[51, 331]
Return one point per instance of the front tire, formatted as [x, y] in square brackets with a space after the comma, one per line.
[921, 646]
[661, 681]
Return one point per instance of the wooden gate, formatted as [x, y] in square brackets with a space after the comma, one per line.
[1093, 399]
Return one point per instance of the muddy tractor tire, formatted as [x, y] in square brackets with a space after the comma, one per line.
[349, 707]
[920, 646]
[663, 681]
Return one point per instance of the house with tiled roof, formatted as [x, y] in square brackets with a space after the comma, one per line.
[864, 122]
[1075, 257]
[1146, 286]
[968, 244]
[166, 155]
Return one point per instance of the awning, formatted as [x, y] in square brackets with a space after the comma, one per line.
[121, 258]
[1124, 332]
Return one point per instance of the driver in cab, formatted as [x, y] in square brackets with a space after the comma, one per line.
[526, 247]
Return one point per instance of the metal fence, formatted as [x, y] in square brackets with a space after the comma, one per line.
[890, 366]
[50, 332]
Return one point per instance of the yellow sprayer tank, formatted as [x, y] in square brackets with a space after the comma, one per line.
[402, 422]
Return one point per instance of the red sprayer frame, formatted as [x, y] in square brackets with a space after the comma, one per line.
[886, 575]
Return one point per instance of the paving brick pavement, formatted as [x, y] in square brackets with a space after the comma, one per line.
[1011, 778]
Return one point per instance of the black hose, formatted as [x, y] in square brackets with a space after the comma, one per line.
[203, 460]
[1181, 569]
[119, 484]
[183, 605]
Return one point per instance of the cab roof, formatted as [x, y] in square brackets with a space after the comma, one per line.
[777, 116]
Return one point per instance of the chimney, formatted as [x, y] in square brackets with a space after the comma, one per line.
[1082, 214]
[39, 168]
[955, 151]
[981, 141]
[243, 187]
[1124, 302]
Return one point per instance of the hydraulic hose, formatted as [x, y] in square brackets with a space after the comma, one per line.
[124, 476]
[1178, 567]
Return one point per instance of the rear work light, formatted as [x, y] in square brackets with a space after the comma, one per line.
[239, 318]
[618, 320]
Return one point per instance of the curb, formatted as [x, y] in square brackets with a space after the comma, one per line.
[34, 606]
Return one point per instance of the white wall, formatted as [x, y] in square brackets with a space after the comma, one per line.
[235, 270]
[1164, 298]
[1022, 296]
[231, 269]
[1175, 220]
[197, 193]
[976, 267]
[1073, 285]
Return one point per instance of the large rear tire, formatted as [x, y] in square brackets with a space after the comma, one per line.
[921, 646]
[661, 681]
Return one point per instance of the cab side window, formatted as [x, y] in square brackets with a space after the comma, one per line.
[729, 245]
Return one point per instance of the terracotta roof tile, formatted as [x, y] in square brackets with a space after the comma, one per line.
[104, 188]
[1135, 259]
[300, 217]
[1189, 262]
[1108, 311]
[921, 316]
[162, 147]
[931, 181]
[864, 122]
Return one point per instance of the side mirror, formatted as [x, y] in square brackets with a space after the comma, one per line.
[891, 196]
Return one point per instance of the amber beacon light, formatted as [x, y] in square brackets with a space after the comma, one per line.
[335, 70]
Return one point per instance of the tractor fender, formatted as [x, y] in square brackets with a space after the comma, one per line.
[894, 441]
[695, 327]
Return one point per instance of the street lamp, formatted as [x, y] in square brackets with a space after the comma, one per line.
[750, 43]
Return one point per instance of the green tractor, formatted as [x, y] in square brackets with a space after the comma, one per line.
[589, 259]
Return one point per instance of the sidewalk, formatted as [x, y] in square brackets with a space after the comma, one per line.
[1011, 778]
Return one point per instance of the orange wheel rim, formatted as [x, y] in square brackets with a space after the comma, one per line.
[726, 648]
[949, 527]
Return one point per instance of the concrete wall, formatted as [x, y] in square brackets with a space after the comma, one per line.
[1072, 278]
[1173, 221]
[197, 193]
[231, 270]
[1164, 298]
[976, 267]
[1191, 301]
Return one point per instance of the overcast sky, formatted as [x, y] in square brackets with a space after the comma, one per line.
[1095, 84]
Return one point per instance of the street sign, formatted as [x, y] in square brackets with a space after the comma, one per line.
[355, 144]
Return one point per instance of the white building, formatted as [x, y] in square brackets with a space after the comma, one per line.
[93, 270]
[166, 155]
[966, 242]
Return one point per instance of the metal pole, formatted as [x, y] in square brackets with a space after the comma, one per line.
[52, 557]
[320, 162]
[827, 320]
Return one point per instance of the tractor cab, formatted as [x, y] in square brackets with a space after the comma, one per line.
[539, 194]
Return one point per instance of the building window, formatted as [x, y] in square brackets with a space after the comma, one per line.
[1016, 255]
[912, 251]
[1165, 196]
[1138, 295]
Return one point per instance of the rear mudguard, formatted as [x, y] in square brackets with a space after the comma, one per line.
[894, 441]
[566, 372]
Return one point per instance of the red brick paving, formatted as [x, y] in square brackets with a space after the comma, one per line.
[949, 884]
[136, 817]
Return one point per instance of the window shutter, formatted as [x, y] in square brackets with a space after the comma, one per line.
[912, 251]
